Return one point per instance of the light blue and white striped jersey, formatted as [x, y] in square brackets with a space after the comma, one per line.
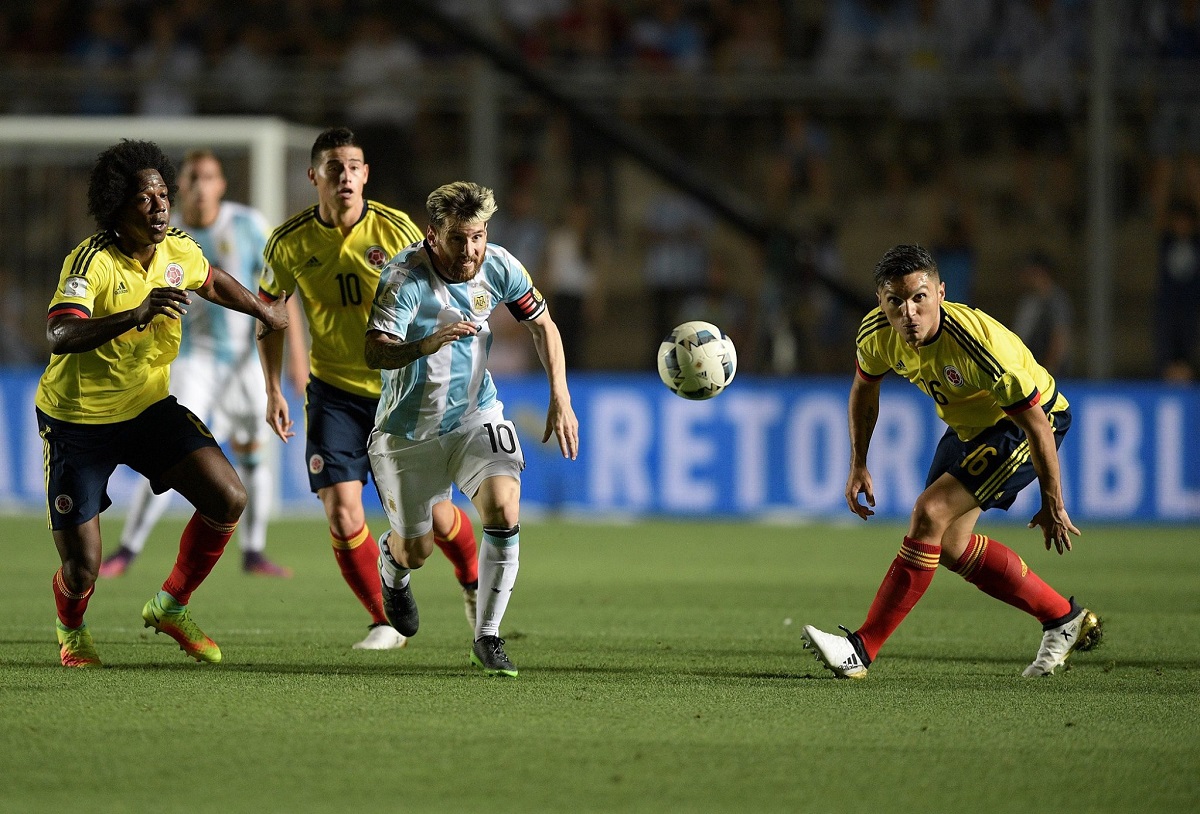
[235, 243]
[451, 388]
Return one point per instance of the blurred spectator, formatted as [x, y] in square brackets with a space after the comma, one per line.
[954, 246]
[1177, 312]
[169, 68]
[248, 68]
[750, 39]
[591, 34]
[378, 71]
[799, 169]
[1043, 317]
[1175, 129]
[518, 227]
[804, 323]
[1038, 51]
[577, 254]
[676, 238]
[851, 39]
[100, 53]
[720, 304]
[664, 37]
[916, 52]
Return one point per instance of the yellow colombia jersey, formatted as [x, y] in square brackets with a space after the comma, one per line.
[975, 369]
[336, 277]
[127, 374]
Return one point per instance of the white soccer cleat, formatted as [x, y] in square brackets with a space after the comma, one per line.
[382, 637]
[470, 604]
[1081, 633]
[835, 652]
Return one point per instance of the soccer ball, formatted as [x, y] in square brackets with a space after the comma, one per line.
[697, 361]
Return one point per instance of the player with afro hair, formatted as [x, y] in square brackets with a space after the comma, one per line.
[115, 174]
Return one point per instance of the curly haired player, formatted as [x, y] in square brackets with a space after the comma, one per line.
[103, 400]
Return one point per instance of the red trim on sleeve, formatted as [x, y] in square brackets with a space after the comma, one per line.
[266, 297]
[1021, 406]
[69, 308]
[208, 278]
[865, 375]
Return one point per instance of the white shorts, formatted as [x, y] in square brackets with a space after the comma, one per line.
[413, 475]
[232, 401]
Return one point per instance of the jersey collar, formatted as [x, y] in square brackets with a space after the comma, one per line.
[327, 225]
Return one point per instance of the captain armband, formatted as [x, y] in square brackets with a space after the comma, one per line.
[529, 305]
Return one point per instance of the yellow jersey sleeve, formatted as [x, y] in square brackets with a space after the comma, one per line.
[870, 361]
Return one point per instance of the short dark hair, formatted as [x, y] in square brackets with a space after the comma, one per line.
[901, 261]
[115, 173]
[331, 139]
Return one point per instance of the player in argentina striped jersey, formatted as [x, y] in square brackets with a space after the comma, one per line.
[331, 254]
[1006, 421]
[217, 373]
[444, 391]
[114, 329]
[439, 422]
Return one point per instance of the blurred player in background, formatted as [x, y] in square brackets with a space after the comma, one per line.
[332, 254]
[104, 399]
[217, 373]
[439, 420]
[1006, 421]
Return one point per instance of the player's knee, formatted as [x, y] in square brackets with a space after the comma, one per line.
[930, 519]
[79, 575]
[231, 501]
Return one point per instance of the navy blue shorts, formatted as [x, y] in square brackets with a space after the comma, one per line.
[994, 465]
[80, 458]
[338, 426]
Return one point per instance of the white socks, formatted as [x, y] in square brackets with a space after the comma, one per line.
[498, 563]
[145, 510]
[256, 477]
[391, 572]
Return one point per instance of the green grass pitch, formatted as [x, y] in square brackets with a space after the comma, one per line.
[661, 670]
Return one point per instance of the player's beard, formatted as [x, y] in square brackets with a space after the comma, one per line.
[455, 272]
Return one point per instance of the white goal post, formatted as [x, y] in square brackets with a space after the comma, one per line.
[267, 141]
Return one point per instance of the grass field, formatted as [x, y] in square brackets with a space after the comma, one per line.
[661, 670]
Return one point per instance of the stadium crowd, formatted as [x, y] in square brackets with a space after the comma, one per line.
[853, 123]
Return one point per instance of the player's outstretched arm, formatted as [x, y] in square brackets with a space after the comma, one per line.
[560, 416]
[1056, 525]
[222, 289]
[68, 333]
[384, 351]
[863, 412]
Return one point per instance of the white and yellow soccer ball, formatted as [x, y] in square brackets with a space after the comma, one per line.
[697, 361]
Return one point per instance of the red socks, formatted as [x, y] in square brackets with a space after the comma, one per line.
[200, 547]
[459, 548]
[358, 557]
[70, 606]
[996, 570]
[906, 581]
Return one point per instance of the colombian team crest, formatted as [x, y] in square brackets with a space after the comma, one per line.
[174, 275]
[953, 376]
[63, 504]
[316, 464]
[377, 257]
[481, 302]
